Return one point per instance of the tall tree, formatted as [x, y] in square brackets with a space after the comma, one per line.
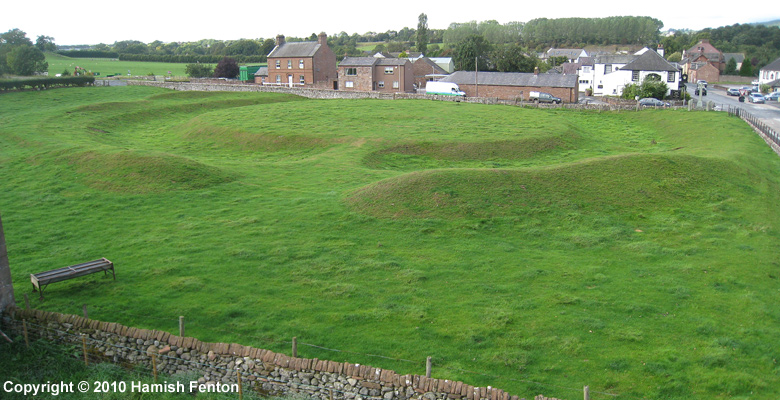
[26, 60]
[473, 48]
[227, 68]
[422, 33]
[45, 43]
[747, 69]
[731, 67]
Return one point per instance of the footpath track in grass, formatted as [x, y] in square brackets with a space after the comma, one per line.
[531, 250]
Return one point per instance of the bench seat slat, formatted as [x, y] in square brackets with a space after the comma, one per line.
[73, 271]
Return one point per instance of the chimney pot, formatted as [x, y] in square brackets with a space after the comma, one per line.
[279, 40]
[536, 70]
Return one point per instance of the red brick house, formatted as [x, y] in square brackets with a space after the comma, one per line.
[703, 71]
[703, 52]
[302, 64]
[426, 70]
[515, 85]
[368, 74]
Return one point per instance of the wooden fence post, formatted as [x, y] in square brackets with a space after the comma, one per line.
[586, 391]
[181, 325]
[428, 367]
[240, 388]
[26, 340]
[84, 308]
[295, 347]
[27, 301]
[84, 348]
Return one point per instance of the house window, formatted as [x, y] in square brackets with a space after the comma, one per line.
[349, 84]
[670, 77]
[302, 80]
[389, 70]
[584, 81]
[289, 64]
[351, 71]
[381, 84]
[300, 64]
[278, 64]
[395, 85]
[608, 69]
[635, 76]
[586, 69]
[278, 78]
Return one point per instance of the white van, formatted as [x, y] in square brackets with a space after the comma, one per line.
[443, 89]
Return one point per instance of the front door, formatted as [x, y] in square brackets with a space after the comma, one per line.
[289, 80]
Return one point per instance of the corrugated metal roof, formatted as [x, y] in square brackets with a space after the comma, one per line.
[513, 79]
[295, 49]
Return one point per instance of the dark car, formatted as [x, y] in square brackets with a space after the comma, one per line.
[652, 102]
[733, 92]
[703, 91]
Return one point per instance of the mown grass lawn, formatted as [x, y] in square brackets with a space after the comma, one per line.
[536, 251]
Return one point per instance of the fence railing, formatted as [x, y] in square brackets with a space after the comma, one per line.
[768, 132]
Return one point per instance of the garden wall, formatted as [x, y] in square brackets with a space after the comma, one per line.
[219, 364]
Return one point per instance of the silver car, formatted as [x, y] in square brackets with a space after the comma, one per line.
[756, 98]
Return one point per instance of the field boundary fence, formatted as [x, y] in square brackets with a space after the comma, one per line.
[234, 368]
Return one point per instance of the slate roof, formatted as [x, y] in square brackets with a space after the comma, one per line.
[513, 79]
[570, 53]
[262, 71]
[392, 61]
[738, 57]
[359, 61]
[614, 59]
[773, 66]
[649, 61]
[295, 49]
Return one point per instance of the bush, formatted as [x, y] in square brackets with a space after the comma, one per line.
[227, 68]
[89, 54]
[199, 70]
[44, 83]
[649, 88]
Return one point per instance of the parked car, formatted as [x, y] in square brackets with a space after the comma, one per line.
[733, 92]
[774, 96]
[756, 98]
[542, 97]
[652, 102]
[702, 81]
[703, 91]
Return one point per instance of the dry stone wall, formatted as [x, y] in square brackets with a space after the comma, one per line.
[220, 363]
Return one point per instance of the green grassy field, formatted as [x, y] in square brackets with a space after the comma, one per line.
[536, 251]
[105, 66]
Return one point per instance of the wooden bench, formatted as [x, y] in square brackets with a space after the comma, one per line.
[43, 279]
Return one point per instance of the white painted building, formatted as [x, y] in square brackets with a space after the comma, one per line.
[611, 73]
[770, 73]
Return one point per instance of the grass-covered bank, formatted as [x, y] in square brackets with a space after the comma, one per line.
[543, 249]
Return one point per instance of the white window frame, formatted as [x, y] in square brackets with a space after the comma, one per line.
[353, 70]
[389, 70]
[380, 84]
[289, 64]
[349, 84]
[396, 85]
[300, 64]
[303, 80]
[278, 64]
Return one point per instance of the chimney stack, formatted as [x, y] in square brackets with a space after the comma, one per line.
[536, 70]
[661, 50]
[279, 40]
[322, 39]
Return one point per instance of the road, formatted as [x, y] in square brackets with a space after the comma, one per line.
[769, 112]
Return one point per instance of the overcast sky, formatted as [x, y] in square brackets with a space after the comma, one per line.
[175, 20]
